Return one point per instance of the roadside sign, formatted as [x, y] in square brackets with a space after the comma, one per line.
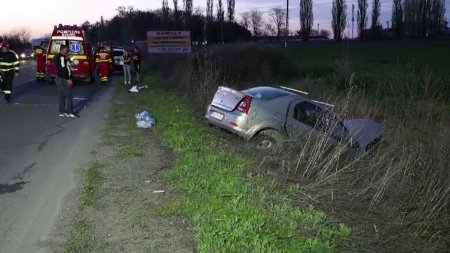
[162, 42]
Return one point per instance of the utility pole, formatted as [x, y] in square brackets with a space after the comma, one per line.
[287, 17]
[318, 28]
[287, 24]
[353, 17]
[387, 22]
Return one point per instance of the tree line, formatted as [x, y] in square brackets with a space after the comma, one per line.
[410, 19]
[131, 24]
[19, 40]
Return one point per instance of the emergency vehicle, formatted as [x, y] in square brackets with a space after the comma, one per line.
[80, 52]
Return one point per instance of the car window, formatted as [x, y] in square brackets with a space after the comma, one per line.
[266, 93]
[76, 47]
[339, 131]
[307, 113]
[314, 116]
[56, 44]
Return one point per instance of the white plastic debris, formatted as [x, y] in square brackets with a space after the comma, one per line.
[159, 191]
[137, 89]
[145, 120]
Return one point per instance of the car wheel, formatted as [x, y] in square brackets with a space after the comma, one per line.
[267, 140]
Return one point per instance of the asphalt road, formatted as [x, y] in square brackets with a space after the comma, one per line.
[41, 156]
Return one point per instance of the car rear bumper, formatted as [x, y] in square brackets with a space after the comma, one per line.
[234, 122]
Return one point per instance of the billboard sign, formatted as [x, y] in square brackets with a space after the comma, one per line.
[172, 42]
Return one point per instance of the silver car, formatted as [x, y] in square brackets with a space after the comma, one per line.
[267, 115]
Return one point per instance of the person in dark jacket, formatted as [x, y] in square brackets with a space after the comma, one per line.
[64, 83]
[137, 63]
[9, 65]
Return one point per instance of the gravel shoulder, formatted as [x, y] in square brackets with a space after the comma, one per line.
[116, 209]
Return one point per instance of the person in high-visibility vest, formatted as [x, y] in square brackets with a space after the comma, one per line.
[39, 55]
[103, 62]
[9, 65]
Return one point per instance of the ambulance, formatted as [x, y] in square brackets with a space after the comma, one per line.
[80, 52]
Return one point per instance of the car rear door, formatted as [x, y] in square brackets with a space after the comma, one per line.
[227, 99]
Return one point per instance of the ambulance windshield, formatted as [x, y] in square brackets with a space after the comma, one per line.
[75, 47]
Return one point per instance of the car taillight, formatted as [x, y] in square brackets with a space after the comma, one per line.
[244, 105]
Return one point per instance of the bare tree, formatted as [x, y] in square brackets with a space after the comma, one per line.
[176, 14]
[245, 20]
[209, 10]
[220, 11]
[436, 15]
[397, 18]
[231, 9]
[424, 18]
[339, 13]
[256, 21]
[277, 19]
[220, 18]
[361, 17]
[376, 11]
[165, 12]
[187, 12]
[306, 18]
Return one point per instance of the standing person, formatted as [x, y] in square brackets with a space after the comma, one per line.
[39, 55]
[64, 83]
[126, 67]
[137, 63]
[103, 62]
[9, 64]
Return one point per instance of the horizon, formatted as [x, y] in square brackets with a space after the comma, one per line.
[38, 27]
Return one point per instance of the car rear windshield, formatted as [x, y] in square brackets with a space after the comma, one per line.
[75, 47]
[266, 93]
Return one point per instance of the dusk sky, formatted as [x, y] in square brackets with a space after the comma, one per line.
[24, 13]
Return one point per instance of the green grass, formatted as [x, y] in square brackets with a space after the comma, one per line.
[91, 189]
[230, 212]
[81, 239]
[381, 68]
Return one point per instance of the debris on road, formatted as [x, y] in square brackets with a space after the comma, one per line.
[145, 120]
[159, 191]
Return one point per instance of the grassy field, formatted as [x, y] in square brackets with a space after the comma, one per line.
[386, 68]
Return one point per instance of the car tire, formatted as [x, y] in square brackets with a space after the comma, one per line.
[267, 140]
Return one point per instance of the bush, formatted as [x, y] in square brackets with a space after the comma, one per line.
[235, 65]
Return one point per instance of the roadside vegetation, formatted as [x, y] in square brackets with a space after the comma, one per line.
[231, 212]
[229, 208]
[395, 192]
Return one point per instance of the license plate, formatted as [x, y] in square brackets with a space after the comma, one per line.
[217, 115]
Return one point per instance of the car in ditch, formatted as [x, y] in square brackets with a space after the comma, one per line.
[268, 115]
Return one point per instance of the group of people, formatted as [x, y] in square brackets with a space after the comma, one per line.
[129, 58]
[9, 67]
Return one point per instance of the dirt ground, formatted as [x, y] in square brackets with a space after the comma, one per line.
[119, 213]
